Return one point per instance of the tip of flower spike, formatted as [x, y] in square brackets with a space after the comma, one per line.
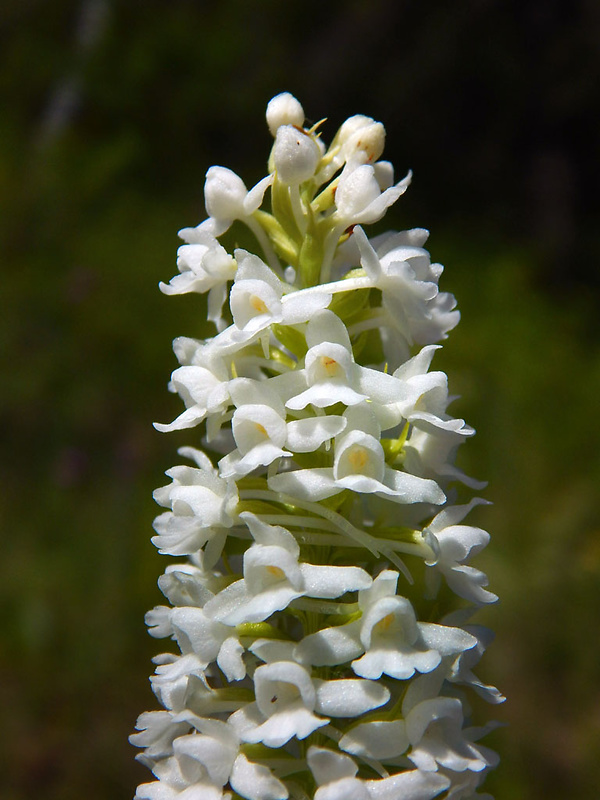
[284, 109]
[246, 518]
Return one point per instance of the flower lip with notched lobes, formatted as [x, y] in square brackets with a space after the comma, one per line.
[284, 706]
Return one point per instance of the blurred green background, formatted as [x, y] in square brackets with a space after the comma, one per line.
[111, 113]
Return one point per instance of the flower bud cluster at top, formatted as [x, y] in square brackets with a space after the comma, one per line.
[321, 594]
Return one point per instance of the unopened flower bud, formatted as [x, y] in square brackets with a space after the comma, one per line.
[284, 109]
[295, 155]
[224, 193]
[366, 143]
[361, 139]
[351, 126]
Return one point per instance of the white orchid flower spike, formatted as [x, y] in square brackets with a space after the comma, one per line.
[319, 607]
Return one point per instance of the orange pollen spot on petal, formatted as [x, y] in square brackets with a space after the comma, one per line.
[359, 458]
[330, 365]
[277, 572]
[258, 304]
[261, 428]
[385, 623]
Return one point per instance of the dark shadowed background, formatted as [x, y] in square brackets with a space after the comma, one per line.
[112, 111]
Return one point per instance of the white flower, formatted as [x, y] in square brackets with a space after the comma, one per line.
[204, 389]
[378, 739]
[273, 577]
[204, 267]
[422, 399]
[387, 637]
[359, 140]
[330, 373]
[256, 295]
[196, 632]
[216, 749]
[171, 679]
[205, 761]
[255, 782]
[287, 699]
[157, 731]
[199, 492]
[285, 703]
[188, 584]
[258, 426]
[202, 509]
[336, 775]
[453, 544]
[257, 301]
[430, 453]
[359, 198]
[359, 465]
[210, 752]
[227, 199]
[434, 728]
[402, 270]
[464, 785]
[404, 296]
[261, 431]
[461, 670]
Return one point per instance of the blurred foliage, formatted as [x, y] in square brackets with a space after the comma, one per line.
[112, 113]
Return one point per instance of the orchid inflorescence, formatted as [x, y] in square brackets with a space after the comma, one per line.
[320, 550]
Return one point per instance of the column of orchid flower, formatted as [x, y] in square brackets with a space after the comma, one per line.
[322, 543]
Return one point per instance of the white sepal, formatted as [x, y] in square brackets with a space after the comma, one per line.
[255, 782]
